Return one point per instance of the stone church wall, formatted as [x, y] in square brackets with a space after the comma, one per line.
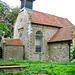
[59, 51]
[13, 52]
[47, 32]
[22, 24]
[73, 41]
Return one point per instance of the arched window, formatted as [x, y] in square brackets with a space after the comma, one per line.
[38, 42]
[20, 34]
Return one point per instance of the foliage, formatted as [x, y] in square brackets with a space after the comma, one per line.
[4, 9]
[7, 18]
[43, 67]
[73, 53]
[10, 19]
[2, 28]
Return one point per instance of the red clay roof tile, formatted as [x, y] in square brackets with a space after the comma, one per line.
[47, 19]
[63, 34]
[10, 41]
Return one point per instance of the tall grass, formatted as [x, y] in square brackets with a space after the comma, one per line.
[37, 67]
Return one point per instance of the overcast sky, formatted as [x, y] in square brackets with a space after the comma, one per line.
[61, 8]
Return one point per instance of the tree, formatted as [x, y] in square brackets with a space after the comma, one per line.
[3, 28]
[7, 18]
[11, 18]
[4, 9]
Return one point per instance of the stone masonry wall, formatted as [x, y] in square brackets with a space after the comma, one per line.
[73, 41]
[59, 51]
[48, 32]
[13, 52]
[22, 23]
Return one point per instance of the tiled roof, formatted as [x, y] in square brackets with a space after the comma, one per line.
[10, 41]
[63, 34]
[47, 19]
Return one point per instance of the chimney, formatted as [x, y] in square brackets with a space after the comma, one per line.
[27, 5]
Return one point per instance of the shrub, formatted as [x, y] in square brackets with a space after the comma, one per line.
[73, 53]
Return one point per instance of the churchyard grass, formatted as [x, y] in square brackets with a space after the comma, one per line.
[41, 67]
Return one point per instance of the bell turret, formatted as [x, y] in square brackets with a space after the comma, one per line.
[27, 5]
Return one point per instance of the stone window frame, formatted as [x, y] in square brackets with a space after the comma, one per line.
[20, 30]
[42, 51]
[20, 34]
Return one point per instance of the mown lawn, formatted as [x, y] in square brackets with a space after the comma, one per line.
[42, 67]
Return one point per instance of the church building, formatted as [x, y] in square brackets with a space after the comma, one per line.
[39, 35]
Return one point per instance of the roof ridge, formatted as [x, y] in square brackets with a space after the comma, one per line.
[49, 14]
[48, 19]
[67, 27]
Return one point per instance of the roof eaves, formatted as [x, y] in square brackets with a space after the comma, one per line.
[59, 41]
[13, 45]
[46, 25]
